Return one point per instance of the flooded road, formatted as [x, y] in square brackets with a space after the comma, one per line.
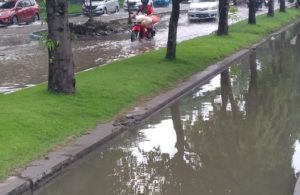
[23, 62]
[237, 134]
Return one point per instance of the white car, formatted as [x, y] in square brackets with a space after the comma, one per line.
[203, 9]
[134, 5]
[99, 7]
[2, 2]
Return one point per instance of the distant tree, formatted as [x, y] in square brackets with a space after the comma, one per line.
[91, 18]
[129, 21]
[297, 4]
[61, 64]
[172, 36]
[282, 5]
[252, 10]
[223, 17]
[271, 8]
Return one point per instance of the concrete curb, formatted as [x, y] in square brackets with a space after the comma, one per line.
[41, 171]
[14, 185]
[35, 35]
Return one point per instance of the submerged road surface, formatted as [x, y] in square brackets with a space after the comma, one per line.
[23, 62]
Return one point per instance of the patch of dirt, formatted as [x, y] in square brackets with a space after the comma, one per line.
[98, 28]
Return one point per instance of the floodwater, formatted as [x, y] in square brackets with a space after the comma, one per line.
[23, 62]
[237, 134]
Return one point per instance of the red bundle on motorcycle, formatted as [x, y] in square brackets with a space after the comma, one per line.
[155, 19]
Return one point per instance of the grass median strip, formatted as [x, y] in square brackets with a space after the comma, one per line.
[73, 8]
[33, 121]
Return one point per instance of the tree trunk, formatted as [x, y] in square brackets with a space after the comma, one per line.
[297, 4]
[172, 36]
[271, 8]
[252, 10]
[223, 17]
[282, 5]
[91, 18]
[61, 64]
[129, 13]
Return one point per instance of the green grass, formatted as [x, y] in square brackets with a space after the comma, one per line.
[73, 8]
[121, 2]
[33, 121]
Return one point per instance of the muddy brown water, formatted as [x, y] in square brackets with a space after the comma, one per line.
[237, 134]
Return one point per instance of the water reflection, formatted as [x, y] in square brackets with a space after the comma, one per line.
[235, 135]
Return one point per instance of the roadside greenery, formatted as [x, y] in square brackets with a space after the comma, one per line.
[34, 121]
[73, 8]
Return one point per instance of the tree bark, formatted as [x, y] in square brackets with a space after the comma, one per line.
[297, 4]
[172, 36]
[271, 8]
[282, 6]
[129, 13]
[91, 18]
[252, 10]
[223, 17]
[61, 64]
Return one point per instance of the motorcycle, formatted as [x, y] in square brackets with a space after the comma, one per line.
[143, 27]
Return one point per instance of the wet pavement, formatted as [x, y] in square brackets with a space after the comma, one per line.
[23, 61]
[237, 134]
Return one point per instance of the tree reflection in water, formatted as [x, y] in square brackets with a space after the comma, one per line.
[242, 146]
[237, 150]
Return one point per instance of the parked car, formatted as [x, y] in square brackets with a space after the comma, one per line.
[134, 5]
[161, 3]
[99, 7]
[1, 2]
[17, 11]
[203, 9]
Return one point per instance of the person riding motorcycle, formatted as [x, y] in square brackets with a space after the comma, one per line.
[147, 10]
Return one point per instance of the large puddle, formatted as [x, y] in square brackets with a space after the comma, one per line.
[237, 134]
